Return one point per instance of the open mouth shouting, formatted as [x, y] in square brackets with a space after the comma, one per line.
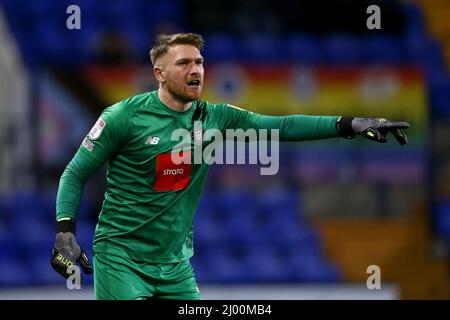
[194, 84]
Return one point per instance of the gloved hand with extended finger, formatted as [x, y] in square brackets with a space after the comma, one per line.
[375, 129]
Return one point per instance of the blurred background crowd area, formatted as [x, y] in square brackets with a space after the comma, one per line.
[335, 207]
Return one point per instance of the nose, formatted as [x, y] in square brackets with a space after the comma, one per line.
[195, 69]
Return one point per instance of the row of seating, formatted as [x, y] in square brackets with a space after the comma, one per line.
[53, 44]
[212, 264]
[263, 263]
[237, 244]
[42, 27]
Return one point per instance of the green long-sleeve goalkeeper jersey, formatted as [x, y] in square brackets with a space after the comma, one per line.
[150, 200]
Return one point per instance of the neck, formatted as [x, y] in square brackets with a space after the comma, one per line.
[172, 101]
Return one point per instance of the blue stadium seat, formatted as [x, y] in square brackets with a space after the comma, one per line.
[53, 44]
[121, 9]
[296, 238]
[341, 48]
[264, 264]
[209, 203]
[4, 207]
[382, 49]
[310, 267]
[7, 236]
[291, 233]
[423, 50]
[137, 38]
[43, 273]
[38, 206]
[14, 272]
[242, 226]
[48, 205]
[220, 47]
[208, 229]
[85, 41]
[261, 48]
[436, 76]
[204, 273]
[302, 48]
[276, 201]
[442, 215]
[232, 199]
[166, 10]
[118, 14]
[228, 266]
[31, 233]
[9, 247]
[28, 205]
[36, 10]
[440, 97]
[9, 5]
[415, 21]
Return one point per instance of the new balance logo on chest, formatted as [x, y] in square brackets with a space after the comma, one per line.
[152, 140]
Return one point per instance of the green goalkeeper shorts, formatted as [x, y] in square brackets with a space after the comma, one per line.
[119, 278]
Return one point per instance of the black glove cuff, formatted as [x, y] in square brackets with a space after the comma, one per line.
[66, 226]
[344, 127]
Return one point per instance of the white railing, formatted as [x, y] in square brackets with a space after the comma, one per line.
[341, 291]
[15, 124]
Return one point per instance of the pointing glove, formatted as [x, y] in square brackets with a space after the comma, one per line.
[375, 129]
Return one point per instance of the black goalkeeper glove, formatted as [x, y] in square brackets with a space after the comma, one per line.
[375, 129]
[67, 251]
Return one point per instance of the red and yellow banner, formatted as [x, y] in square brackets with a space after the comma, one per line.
[384, 92]
[391, 92]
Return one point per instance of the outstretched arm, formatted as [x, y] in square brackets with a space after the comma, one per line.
[304, 127]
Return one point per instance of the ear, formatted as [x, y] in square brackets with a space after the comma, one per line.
[159, 74]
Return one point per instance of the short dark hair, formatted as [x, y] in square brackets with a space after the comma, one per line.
[164, 41]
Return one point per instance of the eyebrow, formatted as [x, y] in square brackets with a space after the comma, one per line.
[189, 59]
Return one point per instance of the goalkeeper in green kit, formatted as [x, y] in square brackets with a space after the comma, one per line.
[144, 235]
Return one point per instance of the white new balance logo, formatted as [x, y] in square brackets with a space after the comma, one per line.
[152, 140]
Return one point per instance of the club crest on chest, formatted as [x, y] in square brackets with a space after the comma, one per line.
[197, 134]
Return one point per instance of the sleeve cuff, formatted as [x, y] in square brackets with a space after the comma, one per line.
[66, 226]
[344, 127]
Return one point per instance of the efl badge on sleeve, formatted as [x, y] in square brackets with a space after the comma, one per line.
[97, 129]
